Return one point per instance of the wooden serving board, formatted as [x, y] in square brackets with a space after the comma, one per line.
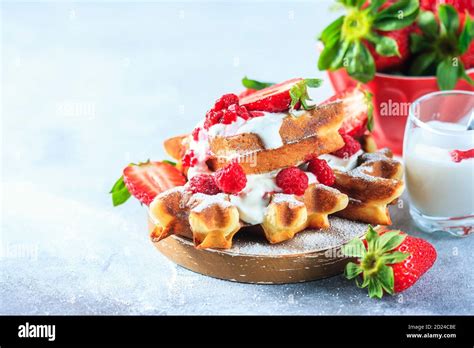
[310, 255]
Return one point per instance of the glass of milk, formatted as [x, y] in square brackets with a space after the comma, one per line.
[439, 180]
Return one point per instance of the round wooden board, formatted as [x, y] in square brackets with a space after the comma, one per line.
[310, 255]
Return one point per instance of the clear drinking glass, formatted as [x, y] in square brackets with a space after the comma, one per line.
[440, 183]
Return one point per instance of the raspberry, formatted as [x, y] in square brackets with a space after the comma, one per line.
[195, 133]
[189, 159]
[228, 117]
[225, 111]
[351, 146]
[323, 172]
[225, 101]
[212, 117]
[292, 181]
[203, 183]
[231, 179]
[241, 111]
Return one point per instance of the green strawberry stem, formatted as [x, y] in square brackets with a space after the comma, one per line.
[119, 191]
[370, 109]
[344, 38]
[439, 48]
[299, 93]
[374, 261]
[254, 84]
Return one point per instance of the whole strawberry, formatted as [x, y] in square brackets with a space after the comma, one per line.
[460, 5]
[390, 262]
[402, 38]
[369, 32]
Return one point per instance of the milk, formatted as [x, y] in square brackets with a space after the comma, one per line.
[438, 186]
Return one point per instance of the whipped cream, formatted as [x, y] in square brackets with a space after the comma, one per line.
[254, 199]
[311, 178]
[342, 164]
[267, 127]
[201, 151]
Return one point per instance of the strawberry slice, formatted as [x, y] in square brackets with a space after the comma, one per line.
[275, 98]
[358, 109]
[146, 180]
[246, 93]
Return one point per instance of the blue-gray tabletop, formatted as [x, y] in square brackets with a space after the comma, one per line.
[89, 87]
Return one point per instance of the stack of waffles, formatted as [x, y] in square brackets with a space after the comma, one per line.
[273, 160]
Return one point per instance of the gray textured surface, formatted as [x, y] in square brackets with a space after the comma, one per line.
[86, 89]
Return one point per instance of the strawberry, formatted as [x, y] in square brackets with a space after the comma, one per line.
[272, 99]
[460, 155]
[443, 46]
[145, 181]
[468, 57]
[428, 5]
[402, 38]
[252, 86]
[282, 96]
[460, 5]
[370, 31]
[247, 92]
[390, 262]
[358, 111]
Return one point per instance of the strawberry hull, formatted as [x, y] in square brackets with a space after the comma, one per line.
[392, 96]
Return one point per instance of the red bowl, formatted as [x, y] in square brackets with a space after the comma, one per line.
[392, 97]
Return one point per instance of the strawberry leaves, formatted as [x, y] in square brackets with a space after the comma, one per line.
[299, 93]
[368, 98]
[374, 261]
[397, 16]
[344, 39]
[254, 84]
[438, 49]
[120, 193]
[145, 180]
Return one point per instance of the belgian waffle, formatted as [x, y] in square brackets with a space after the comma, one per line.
[362, 193]
[371, 186]
[212, 221]
[316, 129]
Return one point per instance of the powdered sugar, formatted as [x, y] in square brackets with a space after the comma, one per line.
[248, 242]
[201, 201]
[279, 198]
[180, 189]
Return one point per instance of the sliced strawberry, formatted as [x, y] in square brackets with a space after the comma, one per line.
[459, 155]
[357, 111]
[247, 92]
[275, 98]
[146, 180]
